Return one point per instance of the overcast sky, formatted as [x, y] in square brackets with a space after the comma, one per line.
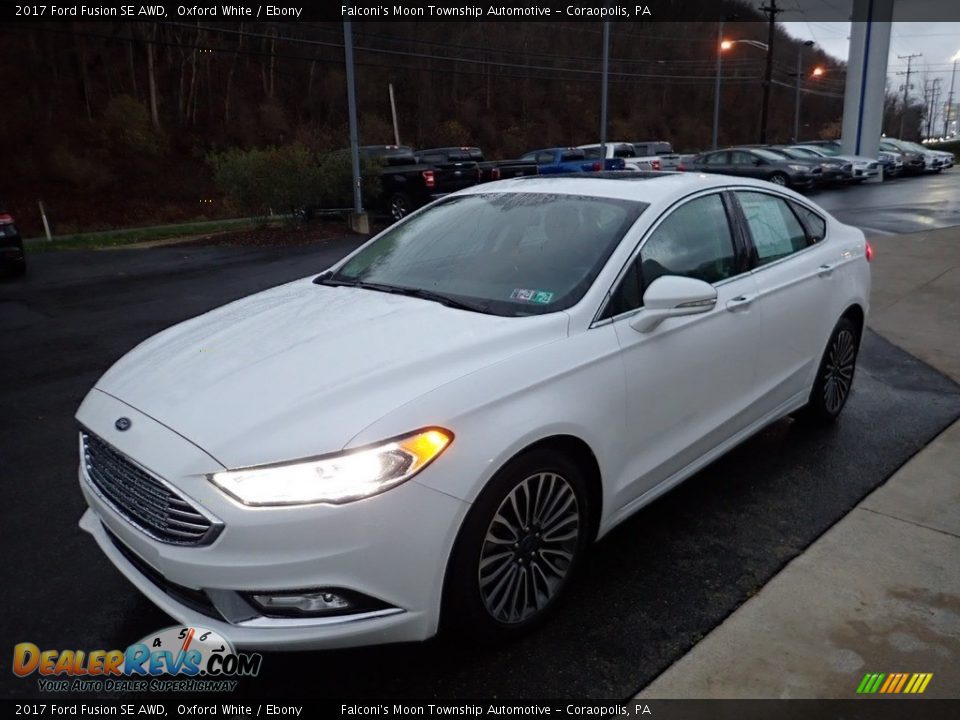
[937, 42]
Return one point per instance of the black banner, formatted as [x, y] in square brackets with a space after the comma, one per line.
[474, 10]
[856, 709]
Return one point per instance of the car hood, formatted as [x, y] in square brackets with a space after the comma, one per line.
[856, 159]
[300, 369]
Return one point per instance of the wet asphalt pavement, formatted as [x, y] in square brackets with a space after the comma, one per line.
[648, 592]
[899, 205]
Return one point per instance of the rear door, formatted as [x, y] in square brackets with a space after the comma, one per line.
[745, 164]
[796, 289]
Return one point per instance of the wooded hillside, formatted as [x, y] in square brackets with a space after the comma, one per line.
[111, 123]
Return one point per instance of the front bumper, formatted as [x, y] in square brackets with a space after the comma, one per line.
[391, 547]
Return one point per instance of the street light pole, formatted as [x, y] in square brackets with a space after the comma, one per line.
[796, 107]
[716, 88]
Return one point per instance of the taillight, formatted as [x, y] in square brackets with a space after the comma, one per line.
[655, 164]
[868, 251]
[428, 179]
[479, 175]
[597, 166]
[6, 220]
[495, 174]
[681, 168]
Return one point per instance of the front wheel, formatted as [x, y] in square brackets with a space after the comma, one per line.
[831, 388]
[518, 547]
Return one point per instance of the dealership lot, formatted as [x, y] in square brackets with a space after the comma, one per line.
[649, 591]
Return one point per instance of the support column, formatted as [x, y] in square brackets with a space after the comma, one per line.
[866, 76]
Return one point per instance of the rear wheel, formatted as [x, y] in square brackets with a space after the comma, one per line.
[518, 547]
[834, 380]
[400, 206]
[779, 178]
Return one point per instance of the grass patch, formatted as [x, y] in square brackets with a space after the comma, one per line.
[128, 236]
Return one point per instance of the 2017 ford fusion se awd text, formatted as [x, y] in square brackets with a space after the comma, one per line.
[434, 430]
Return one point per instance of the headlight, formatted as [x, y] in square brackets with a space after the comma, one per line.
[339, 478]
[799, 168]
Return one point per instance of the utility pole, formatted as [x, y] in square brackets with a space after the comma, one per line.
[772, 11]
[906, 87]
[949, 110]
[934, 104]
[603, 92]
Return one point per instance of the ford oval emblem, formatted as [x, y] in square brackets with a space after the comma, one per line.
[122, 424]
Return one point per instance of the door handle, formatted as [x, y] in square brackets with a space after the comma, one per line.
[740, 302]
[825, 270]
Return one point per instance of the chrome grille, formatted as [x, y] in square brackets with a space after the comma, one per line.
[145, 501]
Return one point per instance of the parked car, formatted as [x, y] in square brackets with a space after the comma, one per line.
[916, 158]
[833, 170]
[12, 258]
[552, 161]
[760, 163]
[891, 162]
[935, 159]
[669, 160]
[631, 160]
[864, 167]
[489, 169]
[407, 183]
[439, 426]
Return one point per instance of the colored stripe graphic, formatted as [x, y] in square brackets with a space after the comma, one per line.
[913, 681]
[903, 679]
[894, 683]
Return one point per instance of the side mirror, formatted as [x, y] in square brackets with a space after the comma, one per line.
[673, 296]
[759, 161]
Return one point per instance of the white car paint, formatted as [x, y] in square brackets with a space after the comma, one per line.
[302, 370]
[632, 161]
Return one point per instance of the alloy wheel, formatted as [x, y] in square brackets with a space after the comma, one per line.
[839, 371]
[529, 547]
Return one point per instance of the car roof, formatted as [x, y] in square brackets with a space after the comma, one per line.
[618, 184]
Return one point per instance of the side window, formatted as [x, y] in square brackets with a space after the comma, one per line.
[544, 158]
[694, 241]
[628, 295]
[776, 231]
[816, 225]
[738, 157]
[719, 158]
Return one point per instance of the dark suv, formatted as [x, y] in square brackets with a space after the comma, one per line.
[11, 245]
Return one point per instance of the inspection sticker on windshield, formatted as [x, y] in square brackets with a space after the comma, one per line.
[535, 296]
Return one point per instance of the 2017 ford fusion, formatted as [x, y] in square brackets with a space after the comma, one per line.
[435, 429]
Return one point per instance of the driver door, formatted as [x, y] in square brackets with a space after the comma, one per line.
[689, 380]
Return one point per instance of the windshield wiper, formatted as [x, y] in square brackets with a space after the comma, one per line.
[421, 293]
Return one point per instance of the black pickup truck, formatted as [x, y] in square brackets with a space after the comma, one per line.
[489, 169]
[409, 182]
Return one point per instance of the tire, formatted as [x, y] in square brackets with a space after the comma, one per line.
[501, 581]
[834, 380]
[779, 178]
[400, 206]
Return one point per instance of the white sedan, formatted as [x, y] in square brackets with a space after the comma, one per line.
[438, 427]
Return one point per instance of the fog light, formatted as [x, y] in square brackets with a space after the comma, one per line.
[313, 603]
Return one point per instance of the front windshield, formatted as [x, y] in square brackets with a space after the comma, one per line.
[802, 153]
[507, 254]
[828, 150]
[767, 154]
